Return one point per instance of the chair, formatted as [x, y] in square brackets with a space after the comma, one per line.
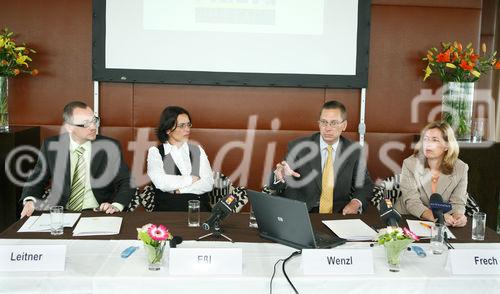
[390, 188]
[146, 198]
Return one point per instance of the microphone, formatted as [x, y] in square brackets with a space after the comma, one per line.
[439, 207]
[176, 240]
[388, 214]
[220, 211]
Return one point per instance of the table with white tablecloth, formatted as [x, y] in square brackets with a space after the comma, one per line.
[95, 266]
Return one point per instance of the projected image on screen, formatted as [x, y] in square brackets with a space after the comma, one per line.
[296, 37]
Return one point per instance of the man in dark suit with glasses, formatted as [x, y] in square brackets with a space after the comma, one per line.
[85, 170]
[325, 170]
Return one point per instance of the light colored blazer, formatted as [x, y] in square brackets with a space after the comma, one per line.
[416, 187]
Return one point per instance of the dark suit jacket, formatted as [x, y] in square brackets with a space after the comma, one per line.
[110, 176]
[346, 164]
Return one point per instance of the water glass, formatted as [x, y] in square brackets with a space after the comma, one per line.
[56, 220]
[477, 131]
[478, 226]
[194, 213]
[252, 221]
[437, 238]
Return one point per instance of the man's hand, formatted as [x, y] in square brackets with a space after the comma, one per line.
[107, 208]
[351, 208]
[282, 170]
[195, 179]
[28, 209]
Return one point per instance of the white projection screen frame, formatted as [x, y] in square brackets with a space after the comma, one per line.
[289, 43]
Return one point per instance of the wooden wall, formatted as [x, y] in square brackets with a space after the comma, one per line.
[401, 32]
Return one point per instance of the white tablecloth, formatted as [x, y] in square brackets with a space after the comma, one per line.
[96, 267]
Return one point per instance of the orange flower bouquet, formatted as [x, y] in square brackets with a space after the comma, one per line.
[14, 59]
[453, 63]
[13, 62]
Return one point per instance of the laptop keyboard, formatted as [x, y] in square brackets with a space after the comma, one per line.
[327, 241]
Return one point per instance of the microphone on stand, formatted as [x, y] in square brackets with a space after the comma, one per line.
[220, 211]
[388, 214]
[438, 207]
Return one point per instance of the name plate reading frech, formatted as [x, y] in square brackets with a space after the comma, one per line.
[17, 258]
[337, 261]
[205, 261]
[475, 261]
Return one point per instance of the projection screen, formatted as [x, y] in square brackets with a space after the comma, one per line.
[299, 43]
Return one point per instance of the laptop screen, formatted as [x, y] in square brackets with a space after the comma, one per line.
[283, 220]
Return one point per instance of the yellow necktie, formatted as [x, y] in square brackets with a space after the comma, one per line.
[326, 199]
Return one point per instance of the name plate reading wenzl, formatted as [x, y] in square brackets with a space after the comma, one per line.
[475, 261]
[16, 258]
[337, 261]
[205, 261]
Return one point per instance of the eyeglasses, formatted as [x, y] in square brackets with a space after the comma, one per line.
[86, 124]
[334, 123]
[184, 125]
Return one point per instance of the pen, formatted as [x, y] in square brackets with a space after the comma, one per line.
[425, 225]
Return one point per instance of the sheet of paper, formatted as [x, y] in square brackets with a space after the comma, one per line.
[351, 229]
[423, 228]
[41, 223]
[96, 226]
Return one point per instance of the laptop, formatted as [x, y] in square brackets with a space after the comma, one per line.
[286, 221]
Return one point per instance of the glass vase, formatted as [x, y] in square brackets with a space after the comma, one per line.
[154, 255]
[457, 103]
[4, 104]
[393, 252]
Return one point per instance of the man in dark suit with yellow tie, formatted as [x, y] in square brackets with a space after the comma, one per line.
[85, 170]
[325, 170]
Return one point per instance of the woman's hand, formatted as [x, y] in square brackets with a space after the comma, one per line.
[427, 215]
[460, 220]
[449, 220]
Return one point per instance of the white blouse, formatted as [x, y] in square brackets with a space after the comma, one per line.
[184, 182]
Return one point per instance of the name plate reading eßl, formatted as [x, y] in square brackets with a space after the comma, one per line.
[205, 261]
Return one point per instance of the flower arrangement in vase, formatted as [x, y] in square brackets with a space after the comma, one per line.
[458, 68]
[395, 242]
[154, 238]
[14, 61]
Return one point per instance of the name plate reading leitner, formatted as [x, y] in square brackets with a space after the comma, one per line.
[475, 261]
[337, 261]
[16, 258]
[205, 261]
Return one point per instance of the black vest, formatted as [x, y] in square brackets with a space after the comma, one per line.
[165, 201]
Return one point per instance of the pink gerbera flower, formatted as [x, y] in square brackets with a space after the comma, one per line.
[410, 234]
[159, 233]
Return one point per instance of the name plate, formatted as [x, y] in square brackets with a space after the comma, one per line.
[475, 261]
[337, 261]
[18, 258]
[205, 261]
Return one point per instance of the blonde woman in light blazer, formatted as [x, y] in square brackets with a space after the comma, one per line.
[434, 168]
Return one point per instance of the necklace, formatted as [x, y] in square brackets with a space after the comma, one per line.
[435, 179]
